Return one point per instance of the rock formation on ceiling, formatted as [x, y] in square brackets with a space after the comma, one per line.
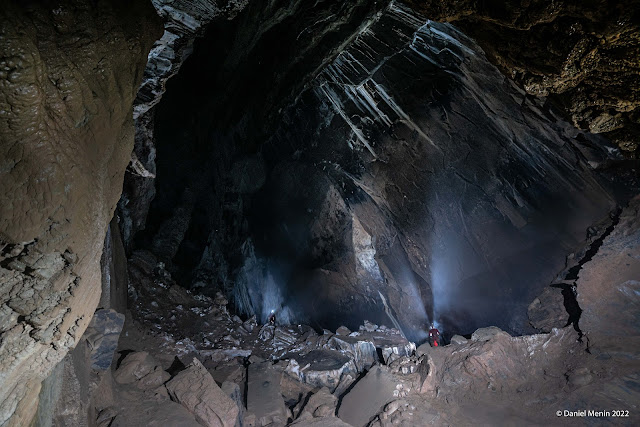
[583, 55]
[373, 184]
[69, 72]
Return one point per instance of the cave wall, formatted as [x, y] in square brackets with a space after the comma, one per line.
[69, 72]
[583, 55]
[246, 75]
[413, 168]
[408, 167]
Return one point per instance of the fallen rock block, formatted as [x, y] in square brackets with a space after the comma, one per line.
[343, 330]
[195, 389]
[102, 337]
[283, 338]
[134, 367]
[153, 379]
[458, 340]
[321, 404]
[485, 334]
[367, 397]
[232, 390]
[154, 413]
[361, 350]
[264, 396]
[322, 368]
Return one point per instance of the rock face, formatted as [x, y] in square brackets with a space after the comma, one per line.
[608, 287]
[70, 72]
[577, 53]
[356, 192]
[184, 22]
[238, 32]
[381, 170]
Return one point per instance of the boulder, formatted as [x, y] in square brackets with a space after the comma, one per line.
[368, 397]
[134, 367]
[264, 396]
[424, 349]
[154, 414]
[361, 350]
[368, 326]
[458, 340]
[321, 368]
[320, 404]
[283, 338]
[232, 390]
[102, 337]
[154, 379]
[485, 334]
[195, 389]
[343, 330]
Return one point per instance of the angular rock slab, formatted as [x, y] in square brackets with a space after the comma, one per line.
[485, 334]
[367, 398]
[195, 389]
[264, 396]
[102, 336]
[322, 368]
[361, 350]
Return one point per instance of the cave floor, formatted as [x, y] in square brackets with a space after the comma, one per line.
[374, 376]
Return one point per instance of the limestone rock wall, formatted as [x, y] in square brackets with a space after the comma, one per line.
[184, 22]
[69, 72]
[583, 54]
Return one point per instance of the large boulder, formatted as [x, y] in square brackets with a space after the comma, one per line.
[322, 368]
[264, 396]
[195, 389]
[485, 334]
[368, 397]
